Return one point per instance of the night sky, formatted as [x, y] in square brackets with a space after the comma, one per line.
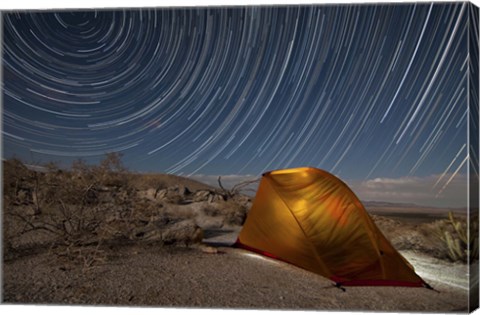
[363, 91]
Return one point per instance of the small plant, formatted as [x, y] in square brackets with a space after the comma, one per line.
[460, 240]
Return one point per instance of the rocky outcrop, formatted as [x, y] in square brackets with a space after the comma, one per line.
[176, 194]
[185, 232]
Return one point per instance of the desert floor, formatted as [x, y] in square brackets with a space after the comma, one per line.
[215, 275]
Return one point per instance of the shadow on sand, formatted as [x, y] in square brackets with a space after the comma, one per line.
[220, 237]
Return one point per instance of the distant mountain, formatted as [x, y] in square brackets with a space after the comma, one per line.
[369, 203]
[392, 207]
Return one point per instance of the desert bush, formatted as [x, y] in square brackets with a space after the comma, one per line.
[65, 202]
[237, 214]
[17, 183]
[232, 212]
[111, 171]
[85, 208]
[174, 199]
[459, 239]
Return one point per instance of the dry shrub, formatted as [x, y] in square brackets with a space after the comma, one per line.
[82, 209]
[76, 212]
[444, 239]
[233, 213]
[146, 181]
[17, 179]
[457, 240]
[409, 236]
[174, 199]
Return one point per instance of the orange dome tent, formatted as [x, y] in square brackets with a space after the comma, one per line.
[311, 219]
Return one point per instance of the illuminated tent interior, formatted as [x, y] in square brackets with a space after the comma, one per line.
[311, 219]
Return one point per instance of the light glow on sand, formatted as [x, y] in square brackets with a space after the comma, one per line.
[260, 257]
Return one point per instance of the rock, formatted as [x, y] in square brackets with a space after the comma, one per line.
[174, 194]
[238, 218]
[207, 222]
[161, 194]
[207, 195]
[151, 194]
[183, 191]
[243, 200]
[186, 232]
[209, 250]
[201, 195]
[147, 233]
[215, 198]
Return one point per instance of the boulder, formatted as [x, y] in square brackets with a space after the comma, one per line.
[161, 194]
[151, 194]
[168, 232]
[201, 195]
[215, 198]
[186, 232]
[208, 222]
[184, 191]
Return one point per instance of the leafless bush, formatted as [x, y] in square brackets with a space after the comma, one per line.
[65, 202]
[84, 208]
[236, 189]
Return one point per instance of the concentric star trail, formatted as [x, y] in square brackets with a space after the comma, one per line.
[363, 91]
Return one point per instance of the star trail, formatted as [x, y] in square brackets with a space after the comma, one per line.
[362, 91]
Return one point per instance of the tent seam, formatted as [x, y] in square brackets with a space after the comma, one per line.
[317, 256]
[369, 220]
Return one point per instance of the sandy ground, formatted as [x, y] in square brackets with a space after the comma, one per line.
[150, 275]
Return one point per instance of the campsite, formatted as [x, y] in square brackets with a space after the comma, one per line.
[304, 156]
[101, 235]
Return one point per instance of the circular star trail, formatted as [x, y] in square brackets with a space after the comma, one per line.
[362, 91]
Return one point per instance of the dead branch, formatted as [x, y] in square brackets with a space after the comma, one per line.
[220, 183]
[240, 186]
[236, 188]
[37, 225]
[35, 191]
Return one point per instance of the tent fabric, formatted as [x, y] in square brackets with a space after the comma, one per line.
[311, 219]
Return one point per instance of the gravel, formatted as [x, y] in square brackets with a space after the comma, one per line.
[152, 275]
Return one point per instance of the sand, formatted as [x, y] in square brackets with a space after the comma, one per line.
[186, 277]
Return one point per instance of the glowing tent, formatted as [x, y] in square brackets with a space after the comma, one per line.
[311, 219]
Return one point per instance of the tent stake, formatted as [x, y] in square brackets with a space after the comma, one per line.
[339, 285]
[426, 285]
